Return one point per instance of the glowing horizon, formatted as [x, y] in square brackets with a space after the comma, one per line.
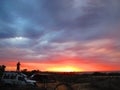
[60, 67]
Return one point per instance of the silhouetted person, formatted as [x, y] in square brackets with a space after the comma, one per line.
[18, 66]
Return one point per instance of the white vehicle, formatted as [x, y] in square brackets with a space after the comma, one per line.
[16, 79]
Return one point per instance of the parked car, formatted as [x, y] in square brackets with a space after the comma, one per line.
[16, 79]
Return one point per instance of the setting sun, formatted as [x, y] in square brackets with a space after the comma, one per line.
[65, 69]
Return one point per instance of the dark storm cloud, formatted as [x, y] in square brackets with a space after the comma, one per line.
[90, 14]
[33, 34]
[6, 33]
[16, 15]
[4, 13]
[65, 14]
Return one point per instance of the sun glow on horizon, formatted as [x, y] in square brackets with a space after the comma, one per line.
[65, 69]
[50, 67]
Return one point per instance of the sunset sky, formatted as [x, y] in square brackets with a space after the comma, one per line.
[60, 35]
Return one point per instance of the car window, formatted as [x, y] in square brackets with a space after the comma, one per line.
[6, 76]
[13, 76]
[21, 78]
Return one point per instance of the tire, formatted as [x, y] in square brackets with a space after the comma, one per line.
[63, 86]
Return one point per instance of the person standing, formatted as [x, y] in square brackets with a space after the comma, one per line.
[18, 67]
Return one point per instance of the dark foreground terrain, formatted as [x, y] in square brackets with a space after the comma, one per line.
[71, 81]
[84, 83]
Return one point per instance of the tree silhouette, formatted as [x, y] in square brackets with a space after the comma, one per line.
[2, 68]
